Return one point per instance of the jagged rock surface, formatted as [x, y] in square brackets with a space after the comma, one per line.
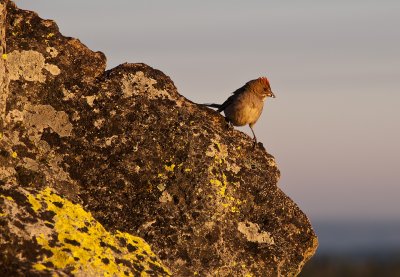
[142, 159]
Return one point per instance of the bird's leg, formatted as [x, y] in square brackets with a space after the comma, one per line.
[229, 123]
[254, 135]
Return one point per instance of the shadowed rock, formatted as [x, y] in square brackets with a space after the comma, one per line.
[144, 161]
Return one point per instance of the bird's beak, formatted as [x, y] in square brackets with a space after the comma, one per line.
[272, 95]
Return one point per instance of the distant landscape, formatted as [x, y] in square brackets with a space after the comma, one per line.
[356, 248]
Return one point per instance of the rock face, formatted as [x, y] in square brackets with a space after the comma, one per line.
[98, 166]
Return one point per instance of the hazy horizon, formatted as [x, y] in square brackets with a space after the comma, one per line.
[334, 67]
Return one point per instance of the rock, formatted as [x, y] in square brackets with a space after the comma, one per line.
[52, 235]
[98, 166]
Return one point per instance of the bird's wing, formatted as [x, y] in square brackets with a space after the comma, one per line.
[240, 90]
[232, 97]
[226, 103]
[229, 100]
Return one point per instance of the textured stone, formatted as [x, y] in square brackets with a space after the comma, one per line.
[53, 235]
[144, 161]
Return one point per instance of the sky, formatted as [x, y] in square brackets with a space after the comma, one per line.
[334, 128]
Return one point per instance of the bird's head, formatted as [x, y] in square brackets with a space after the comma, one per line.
[264, 88]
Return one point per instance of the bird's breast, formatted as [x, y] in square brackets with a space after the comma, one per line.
[244, 110]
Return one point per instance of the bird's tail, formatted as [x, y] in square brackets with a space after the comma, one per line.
[217, 106]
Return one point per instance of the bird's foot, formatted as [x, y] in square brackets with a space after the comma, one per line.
[258, 145]
[229, 124]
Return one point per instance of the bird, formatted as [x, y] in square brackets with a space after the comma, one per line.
[245, 105]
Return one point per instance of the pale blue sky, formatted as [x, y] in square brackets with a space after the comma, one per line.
[334, 66]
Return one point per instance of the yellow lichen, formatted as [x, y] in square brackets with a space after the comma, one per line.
[49, 35]
[39, 267]
[221, 186]
[84, 245]
[169, 167]
[4, 56]
[7, 197]
[14, 154]
[35, 204]
[220, 153]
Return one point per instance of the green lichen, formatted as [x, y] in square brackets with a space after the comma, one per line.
[85, 246]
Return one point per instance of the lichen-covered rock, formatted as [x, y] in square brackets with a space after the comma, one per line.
[53, 235]
[144, 161]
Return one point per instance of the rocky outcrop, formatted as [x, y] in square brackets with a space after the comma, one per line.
[98, 166]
